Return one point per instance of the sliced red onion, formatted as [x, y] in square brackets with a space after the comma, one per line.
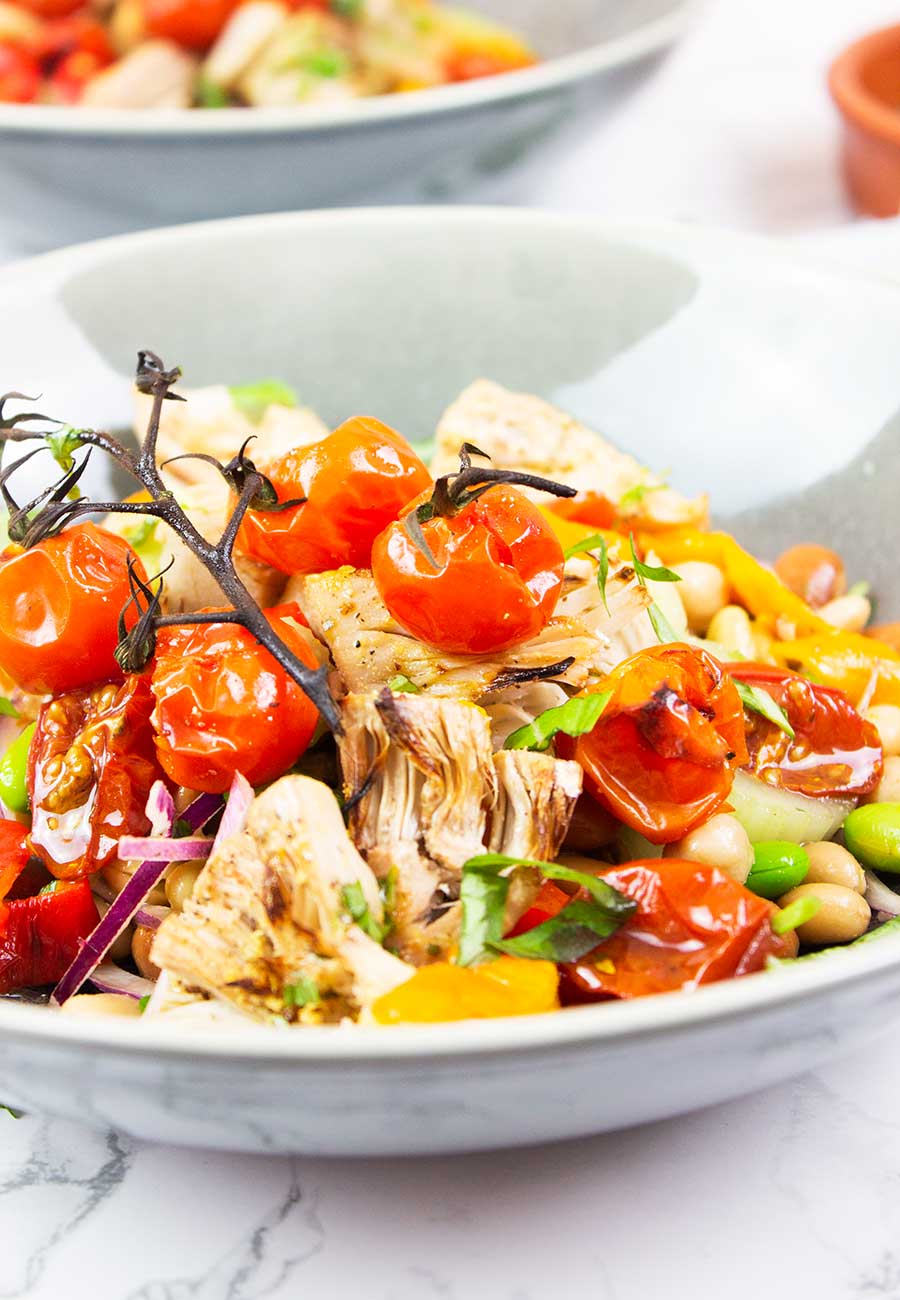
[123, 908]
[110, 978]
[234, 818]
[879, 897]
[151, 916]
[187, 849]
[160, 809]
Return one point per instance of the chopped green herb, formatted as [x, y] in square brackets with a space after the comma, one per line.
[595, 542]
[142, 533]
[16, 1114]
[53, 886]
[635, 495]
[181, 828]
[795, 914]
[144, 1002]
[574, 718]
[211, 95]
[389, 896]
[648, 572]
[355, 903]
[347, 8]
[484, 890]
[301, 992]
[664, 630]
[7, 708]
[324, 63]
[760, 701]
[403, 685]
[253, 400]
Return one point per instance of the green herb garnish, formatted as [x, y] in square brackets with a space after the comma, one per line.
[324, 63]
[253, 400]
[760, 701]
[574, 718]
[301, 992]
[7, 708]
[795, 914]
[354, 901]
[16, 1114]
[565, 937]
[209, 94]
[403, 685]
[859, 589]
[635, 495]
[144, 1002]
[648, 572]
[664, 630]
[347, 8]
[596, 542]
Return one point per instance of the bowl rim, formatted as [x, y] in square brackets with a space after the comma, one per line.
[577, 1026]
[848, 90]
[508, 88]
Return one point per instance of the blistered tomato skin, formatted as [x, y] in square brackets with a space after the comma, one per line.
[59, 609]
[663, 754]
[835, 754]
[90, 768]
[354, 483]
[223, 704]
[498, 577]
[694, 925]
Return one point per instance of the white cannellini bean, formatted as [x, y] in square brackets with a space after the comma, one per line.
[843, 914]
[885, 718]
[888, 788]
[832, 864]
[721, 842]
[850, 613]
[241, 39]
[730, 627]
[101, 1004]
[156, 73]
[703, 592]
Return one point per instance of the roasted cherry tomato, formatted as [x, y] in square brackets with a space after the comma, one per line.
[195, 24]
[693, 925]
[50, 9]
[90, 768]
[353, 483]
[586, 508]
[20, 74]
[663, 754]
[40, 937]
[498, 577]
[14, 854]
[59, 609]
[223, 705]
[835, 754]
[74, 50]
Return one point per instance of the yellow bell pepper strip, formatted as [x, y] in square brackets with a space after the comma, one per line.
[509, 986]
[569, 532]
[846, 660]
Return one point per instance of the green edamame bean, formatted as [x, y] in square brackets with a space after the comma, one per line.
[872, 834]
[778, 866]
[13, 772]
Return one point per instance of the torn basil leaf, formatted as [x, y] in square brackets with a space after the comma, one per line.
[484, 891]
[664, 630]
[568, 936]
[595, 542]
[574, 718]
[253, 400]
[760, 701]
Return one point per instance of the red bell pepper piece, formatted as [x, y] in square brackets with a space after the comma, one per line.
[41, 936]
[13, 854]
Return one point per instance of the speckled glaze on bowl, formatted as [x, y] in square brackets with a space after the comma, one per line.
[73, 174]
[701, 352]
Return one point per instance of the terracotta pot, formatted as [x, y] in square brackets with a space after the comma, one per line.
[865, 85]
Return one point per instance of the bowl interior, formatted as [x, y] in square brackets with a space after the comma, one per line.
[703, 355]
[556, 29]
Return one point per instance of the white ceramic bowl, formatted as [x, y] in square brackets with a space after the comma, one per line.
[771, 384]
[72, 174]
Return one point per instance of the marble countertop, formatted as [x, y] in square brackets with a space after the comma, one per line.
[791, 1192]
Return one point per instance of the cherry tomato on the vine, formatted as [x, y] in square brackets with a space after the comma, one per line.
[835, 753]
[663, 753]
[498, 577]
[353, 483]
[223, 704]
[90, 768]
[59, 609]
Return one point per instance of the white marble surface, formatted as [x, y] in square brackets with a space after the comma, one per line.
[792, 1192]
